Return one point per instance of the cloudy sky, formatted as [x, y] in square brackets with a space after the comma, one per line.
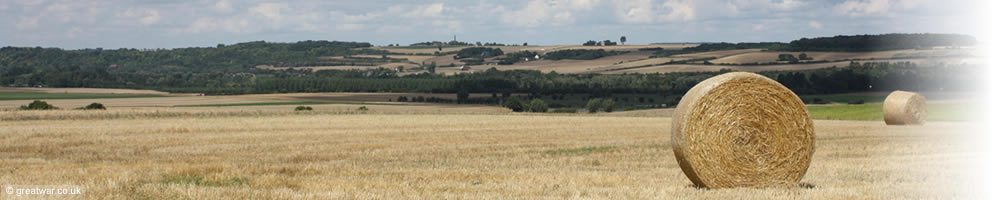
[168, 23]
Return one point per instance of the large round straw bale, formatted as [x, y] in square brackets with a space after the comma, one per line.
[904, 108]
[742, 130]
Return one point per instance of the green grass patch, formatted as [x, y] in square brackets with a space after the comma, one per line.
[282, 104]
[199, 180]
[265, 104]
[836, 98]
[580, 150]
[847, 112]
[44, 96]
[935, 112]
[427, 47]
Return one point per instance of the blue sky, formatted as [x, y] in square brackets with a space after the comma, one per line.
[77, 24]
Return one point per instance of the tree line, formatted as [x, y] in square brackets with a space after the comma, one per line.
[853, 43]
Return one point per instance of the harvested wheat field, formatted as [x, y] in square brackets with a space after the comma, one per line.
[369, 155]
[235, 100]
[84, 91]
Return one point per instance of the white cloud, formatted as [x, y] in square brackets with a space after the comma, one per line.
[640, 11]
[223, 6]
[62, 11]
[432, 10]
[27, 23]
[142, 15]
[152, 18]
[862, 7]
[680, 10]
[449, 26]
[564, 17]
[815, 25]
[350, 27]
[336, 15]
[231, 25]
[533, 14]
[269, 10]
[759, 27]
[789, 4]
[29, 2]
[583, 4]
[74, 32]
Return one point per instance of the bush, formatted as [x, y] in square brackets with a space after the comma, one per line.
[593, 105]
[362, 108]
[819, 101]
[564, 110]
[38, 105]
[462, 96]
[513, 104]
[94, 106]
[537, 105]
[608, 105]
[857, 101]
[303, 108]
[402, 99]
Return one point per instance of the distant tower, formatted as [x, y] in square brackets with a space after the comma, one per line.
[454, 38]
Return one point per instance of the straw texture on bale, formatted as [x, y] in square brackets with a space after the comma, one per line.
[904, 108]
[742, 130]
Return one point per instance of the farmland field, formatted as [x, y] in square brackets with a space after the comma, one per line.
[288, 155]
[935, 112]
[42, 95]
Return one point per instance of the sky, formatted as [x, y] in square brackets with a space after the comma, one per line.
[76, 24]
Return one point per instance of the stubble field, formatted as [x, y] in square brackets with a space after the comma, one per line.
[372, 155]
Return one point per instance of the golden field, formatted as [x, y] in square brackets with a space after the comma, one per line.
[338, 153]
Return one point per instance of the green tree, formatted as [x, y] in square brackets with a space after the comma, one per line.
[622, 40]
[593, 105]
[303, 108]
[537, 105]
[788, 57]
[608, 105]
[513, 104]
[462, 96]
[94, 106]
[432, 68]
[38, 105]
[803, 56]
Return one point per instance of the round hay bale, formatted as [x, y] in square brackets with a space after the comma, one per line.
[904, 108]
[742, 130]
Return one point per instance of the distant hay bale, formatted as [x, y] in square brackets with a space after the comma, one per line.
[742, 130]
[904, 108]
